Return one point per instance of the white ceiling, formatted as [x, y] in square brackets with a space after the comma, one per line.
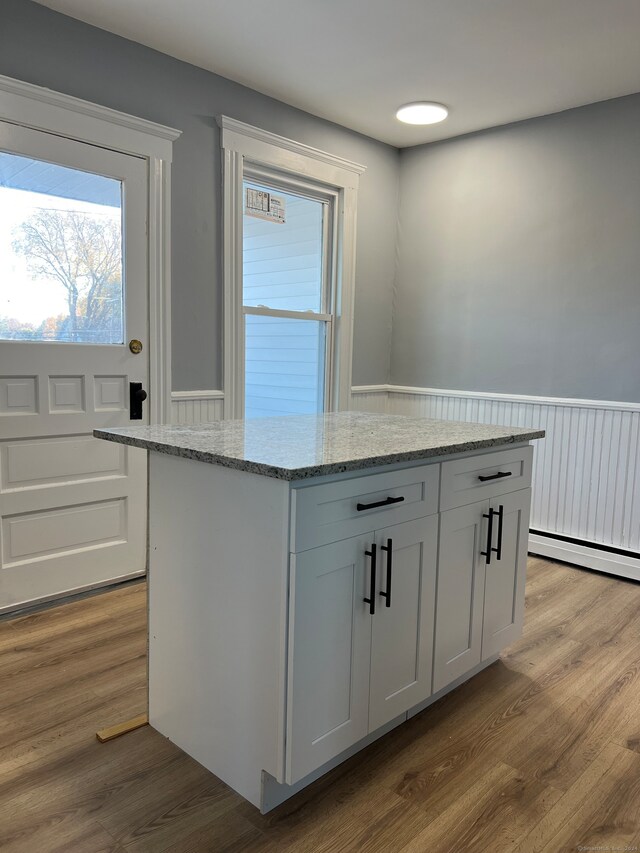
[355, 61]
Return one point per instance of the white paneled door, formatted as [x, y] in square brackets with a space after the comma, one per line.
[73, 295]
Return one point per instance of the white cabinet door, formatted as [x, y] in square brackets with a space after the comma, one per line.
[460, 597]
[402, 628]
[505, 574]
[329, 653]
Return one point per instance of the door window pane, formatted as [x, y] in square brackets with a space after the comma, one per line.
[282, 261]
[61, 259]
[284, 366]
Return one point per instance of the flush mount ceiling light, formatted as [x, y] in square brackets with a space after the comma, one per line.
[422, 112]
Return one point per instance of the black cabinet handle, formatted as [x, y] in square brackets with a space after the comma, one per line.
[385, 502]
[487, 553]
[371, 601]
[389, 549]
[500, 515]
[497, 476]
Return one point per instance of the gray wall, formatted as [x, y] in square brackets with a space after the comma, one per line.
[520, 258]
[49, 49]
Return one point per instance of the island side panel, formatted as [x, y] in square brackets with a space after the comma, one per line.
[218, 579]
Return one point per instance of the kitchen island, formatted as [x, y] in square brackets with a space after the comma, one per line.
[316, 580]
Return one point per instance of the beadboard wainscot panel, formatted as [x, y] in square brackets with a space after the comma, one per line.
[196, 407]
[369, 398]
[586, 474]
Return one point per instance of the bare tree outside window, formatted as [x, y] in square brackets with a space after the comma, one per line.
[61, 245]
[82, 253]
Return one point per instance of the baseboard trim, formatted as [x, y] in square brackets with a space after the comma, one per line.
[12, 611]
[617, 563]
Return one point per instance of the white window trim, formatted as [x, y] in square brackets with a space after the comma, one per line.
[52, 112]
[242, 142]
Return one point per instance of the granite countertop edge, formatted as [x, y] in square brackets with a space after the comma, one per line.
[306, 472]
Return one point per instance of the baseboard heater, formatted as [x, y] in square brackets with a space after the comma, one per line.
[582, 552]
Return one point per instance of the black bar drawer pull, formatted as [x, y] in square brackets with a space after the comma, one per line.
[487, 553]
[371, 601]
[497, 476]
[389, 549]
[500, 515]
[385, 502]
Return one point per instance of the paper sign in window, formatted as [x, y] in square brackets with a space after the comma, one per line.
[264, 205]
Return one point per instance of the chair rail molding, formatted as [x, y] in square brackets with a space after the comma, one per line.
[586, 476]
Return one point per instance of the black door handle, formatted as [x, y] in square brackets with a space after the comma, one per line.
[500, 515]
[385, 502]
[497, 476]
[371, 601]
[487, 553]
[137, 396]
[389, 549]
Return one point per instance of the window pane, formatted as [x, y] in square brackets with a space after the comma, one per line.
[282, 261]
[284, 370]
[60, 254]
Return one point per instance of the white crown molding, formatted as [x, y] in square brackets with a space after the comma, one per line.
[233, 126]
[197, 395]
[43, 109]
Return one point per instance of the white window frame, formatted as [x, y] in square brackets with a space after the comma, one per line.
[63, 115]
[245, 146]
[328, 197]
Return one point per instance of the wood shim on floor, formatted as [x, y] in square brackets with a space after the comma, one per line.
[112, 732]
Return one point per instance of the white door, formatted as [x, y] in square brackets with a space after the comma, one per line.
[329, 653]
[460, 599]
[402, 628]
[73, 294]
[505, 574]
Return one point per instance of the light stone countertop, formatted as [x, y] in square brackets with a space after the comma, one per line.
[301, 446]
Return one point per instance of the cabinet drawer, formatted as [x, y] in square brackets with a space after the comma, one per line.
[329, 512]
[476, 478]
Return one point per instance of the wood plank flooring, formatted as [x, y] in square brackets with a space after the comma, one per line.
[540, 753]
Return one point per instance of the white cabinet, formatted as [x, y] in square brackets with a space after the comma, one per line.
[481, 574]
[505, 575]
[361, 638]
[266, 663]
[329, 654]
[402, 628]
[460, 602]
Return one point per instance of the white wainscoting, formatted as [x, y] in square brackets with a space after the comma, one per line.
[370, 398]
[196, 407]
[586, 476]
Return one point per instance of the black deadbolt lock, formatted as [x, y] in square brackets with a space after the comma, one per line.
[137, 395]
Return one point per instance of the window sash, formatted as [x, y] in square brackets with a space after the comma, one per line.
[271, 179]
[263, 311]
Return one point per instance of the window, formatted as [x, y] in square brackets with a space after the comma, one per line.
[60, 253]
[287, 290]
[289, 250]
